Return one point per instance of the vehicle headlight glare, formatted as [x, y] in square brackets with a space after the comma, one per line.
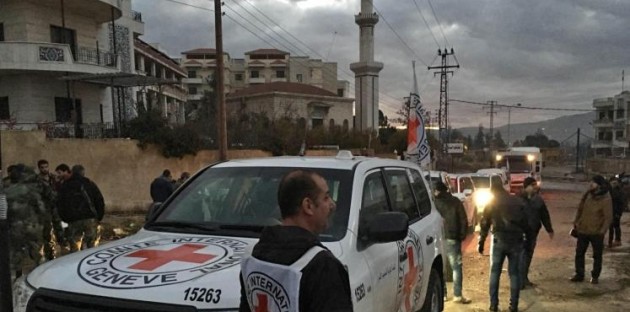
[499, 157]
[22, 292]
[482, 198]
[531, 157]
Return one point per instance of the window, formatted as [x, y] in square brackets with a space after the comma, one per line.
[5, 113]
[420, 190]
[401, 195]
[620, 113]
[63, 109]
[280, 74]
[340, 92]
[192, 74]
[1, 32]
[345, 125]
[65, 36]
[466, 184]
[238, 77]
[316, 122]
[331, 124]
[298, 77]
[374, 200]
[619, 134]
[495, 180]
[192, 90]
[254, 74]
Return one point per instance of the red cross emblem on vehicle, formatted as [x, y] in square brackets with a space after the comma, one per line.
[154, 259]
[263, 303]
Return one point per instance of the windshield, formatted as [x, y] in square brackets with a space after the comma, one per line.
[247, 196]
[519, 164]
[481, 182]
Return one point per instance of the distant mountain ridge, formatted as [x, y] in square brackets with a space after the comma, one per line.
[558, 129]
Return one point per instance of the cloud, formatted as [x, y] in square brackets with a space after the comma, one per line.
[547, 53]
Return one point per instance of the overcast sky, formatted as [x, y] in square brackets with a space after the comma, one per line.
[543, 53]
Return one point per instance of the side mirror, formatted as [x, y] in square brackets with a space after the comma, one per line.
[467, 192]
[388, 227]
[153, 209]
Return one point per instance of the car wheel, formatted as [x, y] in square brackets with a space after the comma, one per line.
[434, 300]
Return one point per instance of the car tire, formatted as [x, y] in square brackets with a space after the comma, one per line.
[434, 300]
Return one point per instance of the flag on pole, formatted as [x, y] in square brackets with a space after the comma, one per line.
[417, 142]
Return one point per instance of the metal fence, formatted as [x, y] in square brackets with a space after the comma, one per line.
[93, 56]
[85, 131]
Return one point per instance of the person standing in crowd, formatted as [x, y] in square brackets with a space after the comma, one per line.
[25, 212]
[185, 176]
[81, 205]
[292, 255]
[455, 227]
[51, 221]
[537, 217]
[619, 203]
[510, 234]
[162, 187]
[592, 220]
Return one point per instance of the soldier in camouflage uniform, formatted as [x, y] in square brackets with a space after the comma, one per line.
[51, 220]
[26, 208]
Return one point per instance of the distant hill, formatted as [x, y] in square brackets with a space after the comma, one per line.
[557, 129]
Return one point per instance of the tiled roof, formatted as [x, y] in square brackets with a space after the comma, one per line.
[267, 52]
[285, 87]
[158, 55]
[201, 51]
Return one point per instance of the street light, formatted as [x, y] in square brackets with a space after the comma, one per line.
[509, 121]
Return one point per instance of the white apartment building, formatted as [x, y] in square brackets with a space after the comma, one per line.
[258, 67]
[69, 64]
[611, 125]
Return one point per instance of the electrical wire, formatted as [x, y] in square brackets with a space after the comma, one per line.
[426, 23]
[413, 53]
[438, 22]
[523, 107]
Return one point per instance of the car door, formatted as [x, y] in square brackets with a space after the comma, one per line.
[413, 264]
[381, 258]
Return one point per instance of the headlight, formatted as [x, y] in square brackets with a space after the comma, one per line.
[22, 292]
[482, 198]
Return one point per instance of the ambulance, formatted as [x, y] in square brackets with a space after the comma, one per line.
[187, 256]
[521, 163]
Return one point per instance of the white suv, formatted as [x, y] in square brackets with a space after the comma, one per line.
[186, 258]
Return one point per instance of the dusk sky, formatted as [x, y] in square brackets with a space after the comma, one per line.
[542, 53]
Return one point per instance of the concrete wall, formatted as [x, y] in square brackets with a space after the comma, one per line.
[121, 169]
[607, 166]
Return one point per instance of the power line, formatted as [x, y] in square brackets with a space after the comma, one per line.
[399, 37]
[426, 23]
[190, 5]
[525, 107]
[438, 22]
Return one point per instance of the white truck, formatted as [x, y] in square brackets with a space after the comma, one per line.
[520, 163]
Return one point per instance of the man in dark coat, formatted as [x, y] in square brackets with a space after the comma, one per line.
[619, 203]
[455, 227]
[292, 256]
[537, 216]
[162, 187]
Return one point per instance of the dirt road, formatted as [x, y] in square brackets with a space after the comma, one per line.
[553, 266]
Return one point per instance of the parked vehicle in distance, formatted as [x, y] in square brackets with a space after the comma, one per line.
[482, 196]
[520, 163]
[434, 176]
[463, 188]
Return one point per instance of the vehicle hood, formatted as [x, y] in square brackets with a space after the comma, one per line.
[155, 267]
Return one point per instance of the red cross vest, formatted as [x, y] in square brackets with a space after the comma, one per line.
[272, 287]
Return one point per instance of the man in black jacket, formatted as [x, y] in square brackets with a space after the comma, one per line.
[162, 187]
[509, 227]
[537, 216]
[455, 226]
[290, 257]
[619, 204]
[81, 205]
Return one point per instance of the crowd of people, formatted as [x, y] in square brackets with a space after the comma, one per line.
[50, 213]
[164, 185]
[515, 222]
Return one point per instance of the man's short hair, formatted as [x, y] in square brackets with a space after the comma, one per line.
[78, 169]
[42, 162]
[166, 173]
[63, 167]
[293, 188]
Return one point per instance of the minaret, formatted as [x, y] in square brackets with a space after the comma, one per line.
[366, 71]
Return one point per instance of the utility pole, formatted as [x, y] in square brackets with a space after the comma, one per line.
[443, 111]
[221, 116]
[577, 153]
[491, 113]
[509, 142]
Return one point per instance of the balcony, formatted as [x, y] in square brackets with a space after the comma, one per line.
[620, 142]
[601, 103]
[192, 80]
[41, 56]
[136, 16]
[276, 79]
[602, 144]
[603, 122]
[257, 80]
[195, 97]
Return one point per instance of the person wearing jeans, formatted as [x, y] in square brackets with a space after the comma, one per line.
[455, 225]
[592, 220]
[510, 234]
